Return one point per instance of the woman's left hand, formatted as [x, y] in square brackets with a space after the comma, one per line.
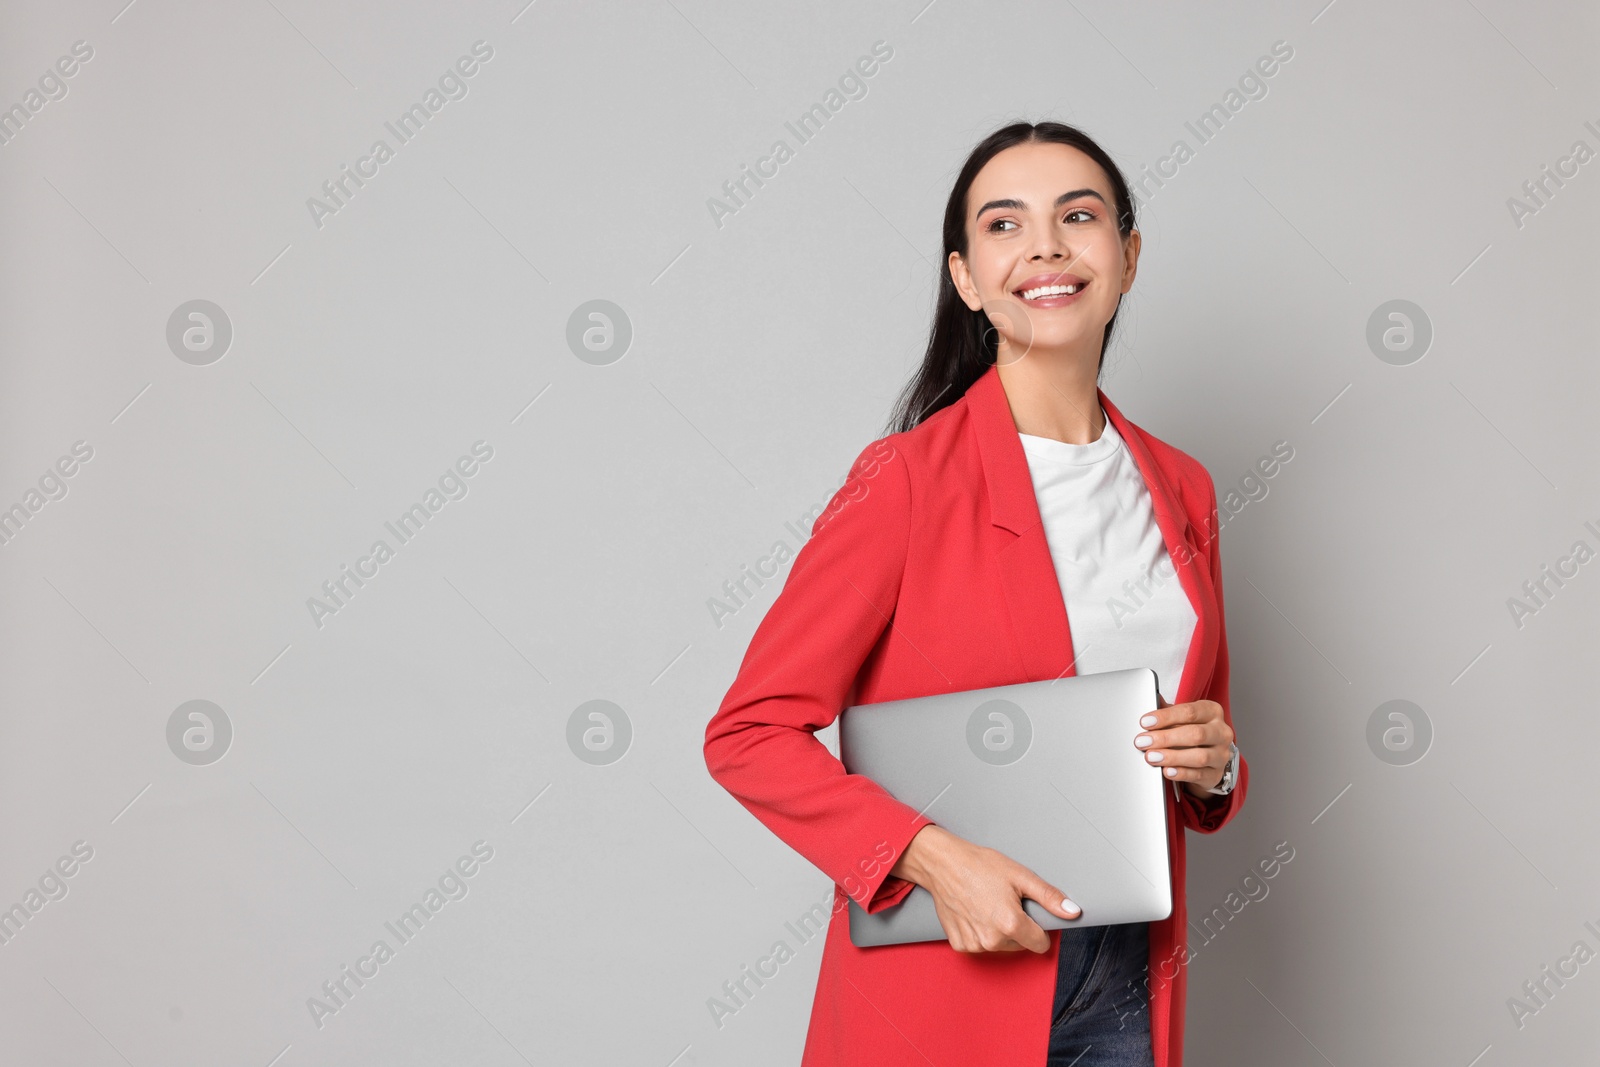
[1188, 741]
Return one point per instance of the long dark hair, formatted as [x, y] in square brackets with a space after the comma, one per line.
[962, 343]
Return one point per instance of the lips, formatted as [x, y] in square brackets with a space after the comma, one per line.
[1046, 282]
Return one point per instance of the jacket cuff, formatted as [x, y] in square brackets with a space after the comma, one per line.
[1207, 816]
[881, 889]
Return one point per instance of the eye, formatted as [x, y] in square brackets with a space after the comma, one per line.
[1081, 211]
[997, 222]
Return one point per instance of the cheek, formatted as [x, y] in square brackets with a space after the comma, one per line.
[1110, 271]
[991, 271]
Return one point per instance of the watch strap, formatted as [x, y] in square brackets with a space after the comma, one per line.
[1230, 774]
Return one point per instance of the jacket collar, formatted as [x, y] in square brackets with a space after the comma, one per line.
[1043, 637]
[1012, 503]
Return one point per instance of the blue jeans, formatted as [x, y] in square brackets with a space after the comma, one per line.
[1101, 1015]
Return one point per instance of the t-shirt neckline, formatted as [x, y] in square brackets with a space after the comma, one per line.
[1063, 452]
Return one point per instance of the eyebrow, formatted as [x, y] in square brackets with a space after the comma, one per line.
[1018, 205]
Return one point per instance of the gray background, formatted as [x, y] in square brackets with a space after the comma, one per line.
[431, 312]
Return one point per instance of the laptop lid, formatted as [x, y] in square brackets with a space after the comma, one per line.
[1045, 772]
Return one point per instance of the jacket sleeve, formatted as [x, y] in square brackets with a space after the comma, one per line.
[1213, 813]
[796, 674]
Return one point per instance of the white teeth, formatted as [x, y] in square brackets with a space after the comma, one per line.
[1051, 290]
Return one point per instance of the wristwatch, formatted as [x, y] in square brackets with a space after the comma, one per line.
[1230, 773]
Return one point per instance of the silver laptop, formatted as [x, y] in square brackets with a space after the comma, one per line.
[1045, 772]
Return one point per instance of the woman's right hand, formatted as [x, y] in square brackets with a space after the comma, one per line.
[978, 893]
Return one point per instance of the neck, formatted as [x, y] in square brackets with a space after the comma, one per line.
[1053, 398]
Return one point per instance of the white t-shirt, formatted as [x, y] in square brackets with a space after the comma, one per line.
[1125, 604]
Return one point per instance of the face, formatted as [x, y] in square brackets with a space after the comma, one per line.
[1041, 217]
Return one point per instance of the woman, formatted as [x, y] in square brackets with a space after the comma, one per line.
[1015, 527]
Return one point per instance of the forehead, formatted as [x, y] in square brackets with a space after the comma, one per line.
[1036, 173]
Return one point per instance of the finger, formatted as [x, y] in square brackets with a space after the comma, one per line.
[1187, 712]
[1050, 898]
[1184, 765]
[967, 938]
[1170, 715]
[1206, 776]
[978, 940]
[1183, 757]
[1025, 933]
[1156, 718]
[1194, 735]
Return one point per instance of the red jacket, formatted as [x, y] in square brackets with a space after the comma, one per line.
[929, 572]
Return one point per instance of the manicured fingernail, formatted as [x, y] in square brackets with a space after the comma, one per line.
[1172, 772]
[1148, 720]
[1067, 905]
[1153, 757]
[1144, 740]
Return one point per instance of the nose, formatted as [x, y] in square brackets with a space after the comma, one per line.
[1048, 244]
[1051, 250]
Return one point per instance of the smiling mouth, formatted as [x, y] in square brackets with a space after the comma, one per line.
[1050, 292]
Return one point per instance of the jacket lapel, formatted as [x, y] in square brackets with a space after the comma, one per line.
[1043, 638]
[1188, 556]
